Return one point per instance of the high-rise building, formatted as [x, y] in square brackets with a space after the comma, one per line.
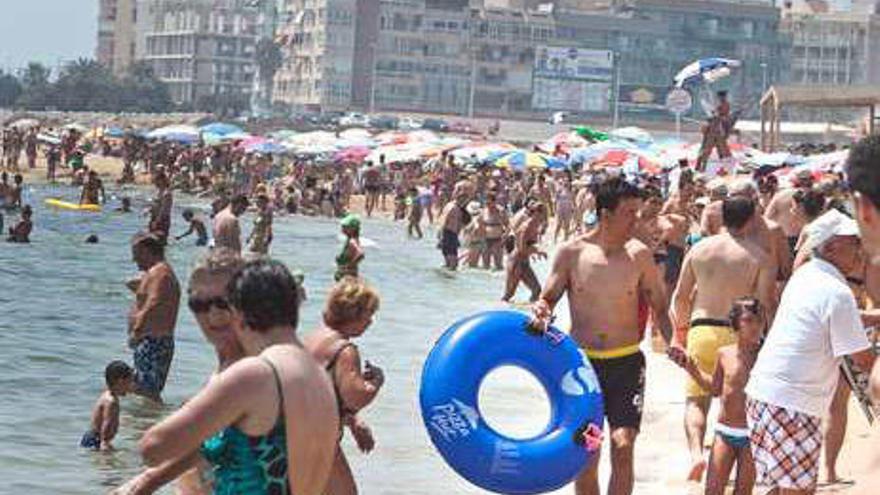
[518, 57]
[202, 49]
[120, 33]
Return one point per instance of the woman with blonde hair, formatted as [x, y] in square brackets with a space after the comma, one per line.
[348, 313]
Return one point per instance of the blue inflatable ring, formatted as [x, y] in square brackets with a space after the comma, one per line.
[451, 379]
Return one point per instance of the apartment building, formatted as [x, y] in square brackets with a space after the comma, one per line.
[121, 26]
[202, 48]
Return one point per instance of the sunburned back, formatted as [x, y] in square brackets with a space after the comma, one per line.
[726, 268]
[780, 211]
[604, 295]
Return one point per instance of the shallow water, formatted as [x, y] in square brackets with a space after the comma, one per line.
[63, 317]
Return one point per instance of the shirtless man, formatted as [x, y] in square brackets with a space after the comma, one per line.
[261, 235]
[21, 232]
[680, 201]
[717, 271]
[711, 222]
[160, 211]
[604, 272]
[452, 219]
[781, 208]
[372, 187]
[765, 233]
[664, 234]
[153, 316]
[525, 231]
[227, 232]
[196, 225]
[92, 191]
[14, 197]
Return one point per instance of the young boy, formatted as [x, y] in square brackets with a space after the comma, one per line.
[105, 416]
[415, 213]
[195, 225]
[728, 382]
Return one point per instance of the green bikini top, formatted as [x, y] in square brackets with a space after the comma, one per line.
[250, 465]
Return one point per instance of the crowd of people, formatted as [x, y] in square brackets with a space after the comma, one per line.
[758, 292]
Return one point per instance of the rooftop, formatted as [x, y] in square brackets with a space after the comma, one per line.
[824, 96]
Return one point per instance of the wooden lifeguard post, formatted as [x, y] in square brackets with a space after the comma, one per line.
[778, 97]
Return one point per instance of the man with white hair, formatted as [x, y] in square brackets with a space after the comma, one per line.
[793, 381]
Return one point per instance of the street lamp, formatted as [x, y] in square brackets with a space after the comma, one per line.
[373, 71]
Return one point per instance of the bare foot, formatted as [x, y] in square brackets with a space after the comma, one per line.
[696, 472]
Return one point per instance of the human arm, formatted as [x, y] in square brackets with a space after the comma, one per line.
[155, 287]
[682, 296]
[187, 233]
[362, 433]
[356, 389]
[556, 285]
[654, 288]
[154, 478]
[766, 288]
[223, 401]
[711, 383]
[109, 423]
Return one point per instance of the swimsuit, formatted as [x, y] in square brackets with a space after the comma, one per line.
[344, 266]
[90, 440]
[735, 438]
[449, 243]
[250, 465]
[704, 338]
[152, 360]
[621, 374]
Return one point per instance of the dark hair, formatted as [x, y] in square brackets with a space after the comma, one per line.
[266, 294]
[117, 370]
[188, 213]
[613, 190]
[811, 200]
[740, 307]
[863, 172]
[736, 211]
[241, 199]
[149, 241]
[686, 178]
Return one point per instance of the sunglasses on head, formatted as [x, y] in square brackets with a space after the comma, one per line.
[197, 305]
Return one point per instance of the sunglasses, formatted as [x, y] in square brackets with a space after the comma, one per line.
[204, 305]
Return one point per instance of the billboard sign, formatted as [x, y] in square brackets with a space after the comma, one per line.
[572, 79]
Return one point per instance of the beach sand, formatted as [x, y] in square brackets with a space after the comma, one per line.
[661, 453]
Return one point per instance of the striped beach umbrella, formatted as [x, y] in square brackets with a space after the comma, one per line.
[520, 160]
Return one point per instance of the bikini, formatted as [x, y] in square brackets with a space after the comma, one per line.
[736, 438]
[250, 465]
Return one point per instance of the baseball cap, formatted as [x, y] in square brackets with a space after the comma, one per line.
[350, 221]
[831, 224]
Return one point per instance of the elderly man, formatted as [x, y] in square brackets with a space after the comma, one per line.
[794, 378]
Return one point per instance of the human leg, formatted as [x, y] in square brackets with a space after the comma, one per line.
[588, 481]
[512, 278]
[695, 411]
[745, 472]
[341, 481]
[531, 280]
[622, 466]
[721, 460]
[834, 429]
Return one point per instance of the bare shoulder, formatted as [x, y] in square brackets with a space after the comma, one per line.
[639, 251]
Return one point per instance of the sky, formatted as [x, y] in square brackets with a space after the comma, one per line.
[47, 31]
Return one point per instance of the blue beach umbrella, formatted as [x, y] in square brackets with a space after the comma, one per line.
[221, 129]
[266, 148]
[520, 160]
[705, 69]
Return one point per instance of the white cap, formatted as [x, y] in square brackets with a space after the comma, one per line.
[831, 224]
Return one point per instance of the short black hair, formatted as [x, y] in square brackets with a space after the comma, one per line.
[740, 307]
[811, 200]
[610, 192]
[863, 168]
[149, 241]
[266, 294]
[736, 211]
[188, 213]
[117, 370]
[241, 199]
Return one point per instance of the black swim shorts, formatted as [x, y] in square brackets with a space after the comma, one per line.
[449, 243]
[623, 388]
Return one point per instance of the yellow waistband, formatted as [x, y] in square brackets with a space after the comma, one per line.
[617, 352]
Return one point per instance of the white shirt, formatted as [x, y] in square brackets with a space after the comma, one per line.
[817, 323]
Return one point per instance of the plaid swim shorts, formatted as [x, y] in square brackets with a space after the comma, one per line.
[785, 444]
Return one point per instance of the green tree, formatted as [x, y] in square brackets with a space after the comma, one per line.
[37, 94]
[10, 90]
[86, 85]
[143, 92]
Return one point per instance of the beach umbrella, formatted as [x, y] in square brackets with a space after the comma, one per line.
[481, 151]
[342, 144]
[266, 148]
[25, 123]
[422, 136]
[631, 160]
[221, 129]
[563, 140]
[589, 133]
[175, 133]
[635, 135]
[352, 154]
[708, 69]
[314, 149]
[520, 160]
[282, 134]
[392, 137]
[75, 126]
[313, 138]
[355, 134]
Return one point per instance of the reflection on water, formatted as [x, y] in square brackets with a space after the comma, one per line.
[62, 318]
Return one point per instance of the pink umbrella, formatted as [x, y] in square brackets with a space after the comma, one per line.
[251, 142]
[352, 154]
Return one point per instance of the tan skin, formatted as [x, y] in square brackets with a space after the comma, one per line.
[105, 415]
[157, 298]
[227, 231]
[357, 388]
[781, 211]
[728, 382]
[716, 272]
[603, 272]
[770, 236]
[244, 396]
[216, 327]
[496, 226]
[526, 228]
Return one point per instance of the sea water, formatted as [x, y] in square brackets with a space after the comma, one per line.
[63, 309]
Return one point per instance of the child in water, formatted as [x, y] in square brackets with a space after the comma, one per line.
[105, 416]
[195, 225]
[21, 232]
[729, 381]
